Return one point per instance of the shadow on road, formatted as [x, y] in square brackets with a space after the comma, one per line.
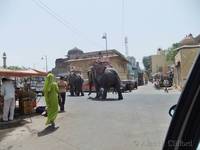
[47, 130]
[74, 96]
[13, 124]
[7, 127]
[108, 99]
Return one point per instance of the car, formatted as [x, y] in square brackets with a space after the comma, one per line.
[128, 85]
[184, 129]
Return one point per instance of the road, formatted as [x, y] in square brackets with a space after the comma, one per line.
[140, 122]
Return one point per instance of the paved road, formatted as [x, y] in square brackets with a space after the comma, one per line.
[140, 122]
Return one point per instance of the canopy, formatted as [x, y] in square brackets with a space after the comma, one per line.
[21, 73]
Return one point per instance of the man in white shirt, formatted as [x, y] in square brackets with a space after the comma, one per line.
[8, 92]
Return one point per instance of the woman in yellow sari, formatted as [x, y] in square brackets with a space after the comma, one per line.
[51, 98]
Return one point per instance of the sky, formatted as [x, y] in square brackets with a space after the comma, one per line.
[32, 29]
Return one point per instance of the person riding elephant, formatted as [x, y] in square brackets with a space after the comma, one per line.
[75, 84]
[104, 77]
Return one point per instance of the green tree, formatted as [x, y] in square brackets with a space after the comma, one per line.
[171, 52]
[147, 64]
[16, 68]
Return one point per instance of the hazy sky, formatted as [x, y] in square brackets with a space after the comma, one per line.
[29, 31]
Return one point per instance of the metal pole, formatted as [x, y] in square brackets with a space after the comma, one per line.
[105, 37]
[106, 46]
[46, 64]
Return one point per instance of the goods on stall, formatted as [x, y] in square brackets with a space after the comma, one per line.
[25, 96]
[27, 100]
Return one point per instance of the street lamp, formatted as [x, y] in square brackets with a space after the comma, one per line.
[45, 58]
[105, 37]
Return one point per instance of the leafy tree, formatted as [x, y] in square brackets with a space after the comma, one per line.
[147, 64]
[171, 52]
[16, 68]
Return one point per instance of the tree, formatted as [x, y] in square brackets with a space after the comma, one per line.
[147, 64]
[16, 68]
[171, 52]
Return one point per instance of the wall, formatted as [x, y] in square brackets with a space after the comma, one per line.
[186, 58]
[159, 62]
[117, 63]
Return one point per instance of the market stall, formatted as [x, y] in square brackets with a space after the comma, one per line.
[25, 95]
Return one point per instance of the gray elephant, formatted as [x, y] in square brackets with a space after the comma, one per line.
[104, 78]
[75, 84]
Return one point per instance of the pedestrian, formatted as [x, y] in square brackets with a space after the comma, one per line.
[8, 93]
[51, 97]
[166, 84]
[62, 85]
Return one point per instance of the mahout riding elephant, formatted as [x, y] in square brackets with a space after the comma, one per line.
[104, 78]
[75, 84]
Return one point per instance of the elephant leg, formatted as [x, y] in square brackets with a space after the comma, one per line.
[98, 94]
[104, 93]
[74, 91]
[71, 91]
[82, 94]
[79, 90]
[119, 92]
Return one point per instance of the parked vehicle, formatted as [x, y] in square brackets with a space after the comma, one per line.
[86, 87]
[37, 84]
[140, 79]
[128, 85]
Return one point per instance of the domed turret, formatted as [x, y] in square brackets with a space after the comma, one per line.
[74, 53]
[188, 40]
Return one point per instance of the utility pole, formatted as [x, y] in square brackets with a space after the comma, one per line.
[126, 45]
[46, 63]
[105, 37]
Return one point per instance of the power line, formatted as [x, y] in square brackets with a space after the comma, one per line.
[61, 20]
[123, 24]
[123, 17]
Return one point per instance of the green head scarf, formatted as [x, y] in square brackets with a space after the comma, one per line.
[48, 82]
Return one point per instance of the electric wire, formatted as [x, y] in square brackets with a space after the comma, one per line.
[63, 21]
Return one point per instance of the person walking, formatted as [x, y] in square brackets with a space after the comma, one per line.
[51, 97]
[166, 84]
[62, 85]
[8, 93]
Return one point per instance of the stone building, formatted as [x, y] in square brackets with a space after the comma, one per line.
[131, 65]
[159, 62]
[78, 60]
[185, 58]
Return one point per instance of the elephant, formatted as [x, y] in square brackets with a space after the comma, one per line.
[103, 79]
[75, 84]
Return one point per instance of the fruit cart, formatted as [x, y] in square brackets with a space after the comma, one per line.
[25, 97]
